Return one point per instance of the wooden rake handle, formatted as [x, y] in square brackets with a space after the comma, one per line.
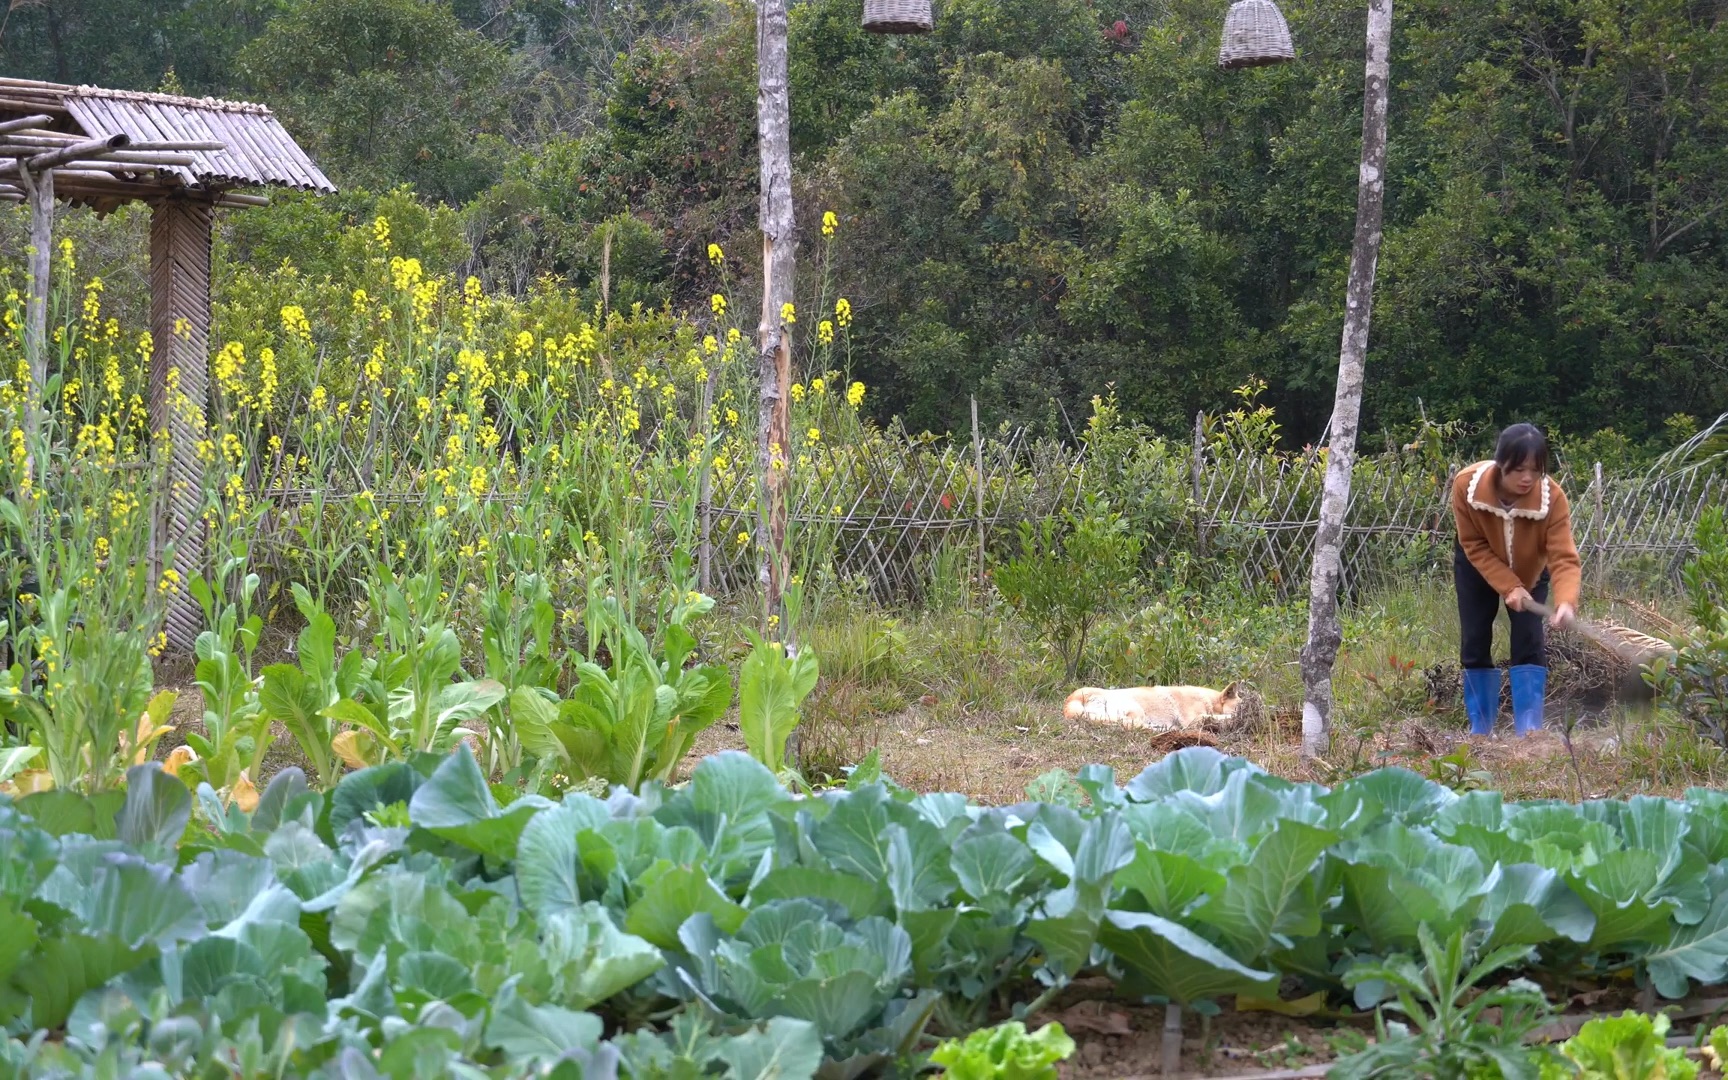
[1594, 631]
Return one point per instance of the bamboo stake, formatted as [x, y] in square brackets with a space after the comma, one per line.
[978, 464]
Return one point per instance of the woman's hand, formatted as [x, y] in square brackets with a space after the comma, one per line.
[1517, 598]
[1563, 615]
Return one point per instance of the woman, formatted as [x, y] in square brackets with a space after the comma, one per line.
[1514, 541]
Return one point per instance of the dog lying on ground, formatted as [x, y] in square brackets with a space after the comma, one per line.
[1155, 708]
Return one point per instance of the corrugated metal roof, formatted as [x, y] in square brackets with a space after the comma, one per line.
[257, 149]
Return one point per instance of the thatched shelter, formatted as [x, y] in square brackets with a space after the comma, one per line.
[185, 157]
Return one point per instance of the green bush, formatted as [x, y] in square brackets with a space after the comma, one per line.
[1066, 578]
[1694, 682]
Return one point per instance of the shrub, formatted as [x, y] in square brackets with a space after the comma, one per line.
[1064, 580]
[1694, 682]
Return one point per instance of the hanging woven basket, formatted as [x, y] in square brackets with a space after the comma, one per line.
[1255, 34]
[898, 16]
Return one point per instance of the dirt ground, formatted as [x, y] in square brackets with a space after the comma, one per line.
[1117, 1041]
[929, 745]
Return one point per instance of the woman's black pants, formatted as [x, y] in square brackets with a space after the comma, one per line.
[1478, 604]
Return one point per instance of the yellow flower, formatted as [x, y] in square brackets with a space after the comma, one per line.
[797, 391]
[813, 436]
[829, 222]
[838, 511]
[855, 394]
[477, 480]
[715, 255]
[718, 303]
[788, 314]
[818, 385]
[734, 336]
[843, 312]
[824, 333]
[170, 578]
[295, 323]
[381, 231]
[743, 538]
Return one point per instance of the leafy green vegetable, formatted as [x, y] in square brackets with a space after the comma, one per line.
[1005, 1052]
[1630, 1046]
[771, 689]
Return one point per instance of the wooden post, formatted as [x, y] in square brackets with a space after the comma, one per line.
[180, 231]
[978, 486]
[605, 270]
[1324, 633]
[1596, 514]
[1194, 479]
[39, 190]
[773, 340]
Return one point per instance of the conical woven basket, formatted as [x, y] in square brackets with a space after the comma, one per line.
[1255, 34]
[898, 16]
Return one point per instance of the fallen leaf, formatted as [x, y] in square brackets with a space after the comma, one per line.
[1302, 1006]
[243, 794]
[352, 746]
[29, 782]
[1094, 1017]
[179, 758]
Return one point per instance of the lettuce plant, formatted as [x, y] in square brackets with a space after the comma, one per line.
[1005, 1052]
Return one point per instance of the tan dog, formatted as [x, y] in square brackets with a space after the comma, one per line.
[1158, 708]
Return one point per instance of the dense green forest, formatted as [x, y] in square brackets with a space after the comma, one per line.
[1041, 199]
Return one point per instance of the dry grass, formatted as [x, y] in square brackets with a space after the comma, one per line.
[993, 754]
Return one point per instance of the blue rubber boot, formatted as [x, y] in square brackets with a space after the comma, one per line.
[1482, 698]
[1529, 685]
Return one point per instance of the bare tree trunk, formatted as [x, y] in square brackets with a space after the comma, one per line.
[1324, 633]
[773, 340]
[40, 190]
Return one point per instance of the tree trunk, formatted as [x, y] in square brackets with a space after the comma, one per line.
[773, 339]
[40, 189]
[1324, 633]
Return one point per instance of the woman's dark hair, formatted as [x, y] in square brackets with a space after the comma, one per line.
[1521, 444]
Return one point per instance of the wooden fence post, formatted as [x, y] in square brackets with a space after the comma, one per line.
[1596, 513]
[1194, 479]
[978, 487]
